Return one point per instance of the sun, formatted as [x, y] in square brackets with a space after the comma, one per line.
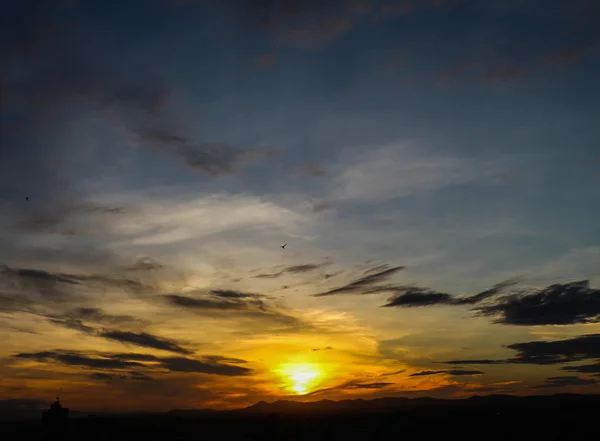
[300, 378]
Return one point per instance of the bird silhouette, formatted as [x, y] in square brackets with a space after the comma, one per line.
[26, 198]
[283, 246]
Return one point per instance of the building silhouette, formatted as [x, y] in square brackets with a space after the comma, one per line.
[55, 420]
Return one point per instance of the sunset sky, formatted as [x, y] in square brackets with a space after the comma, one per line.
[433, 167]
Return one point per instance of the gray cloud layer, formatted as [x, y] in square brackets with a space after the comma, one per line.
[115, 361]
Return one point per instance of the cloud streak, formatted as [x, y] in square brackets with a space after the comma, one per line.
[453, 372]
[294, 269]
[569, 350]
[145, 340]
[365, 284]
[212, 365]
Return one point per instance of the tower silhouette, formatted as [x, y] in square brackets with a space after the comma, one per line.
[55, 420]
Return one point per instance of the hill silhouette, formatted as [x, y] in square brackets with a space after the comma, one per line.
[495, 417]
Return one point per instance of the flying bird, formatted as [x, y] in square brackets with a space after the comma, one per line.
[26, 198]
[283, 246]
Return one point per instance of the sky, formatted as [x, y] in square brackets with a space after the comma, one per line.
[430, 166]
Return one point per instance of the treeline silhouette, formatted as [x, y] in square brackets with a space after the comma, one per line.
[557, 417]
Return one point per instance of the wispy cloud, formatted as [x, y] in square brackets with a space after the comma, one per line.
[559, 304]
[547, 352]
[566, 380]
[294, 269]
[111, 361]
[365, 284]
[453, 372]
[415, 297]
[403, 169]
[144, 339]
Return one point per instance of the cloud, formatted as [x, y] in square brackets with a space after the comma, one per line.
[146, 264]
[584, 369]
[559, 304]
[294, 269]
[67, 92]
[73, 358]
[313, 170]
[180, 364]
[412, 297]
[416, 297]
[454, 372]
[213, 158]
[313, 25]
[212, 365]
[327, 348]
[363, 285]
[96, 315]
[552, 382]
[371, 385]
[402, 169]
[219, 300]
[547, 352]
[131, 376]
[42, 292]
[319, 208]
[260, 310]
[145, 340]
[308, 24]
[56, 285]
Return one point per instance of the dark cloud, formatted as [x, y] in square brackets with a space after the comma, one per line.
[146, 264]
[257, 309]
[552, 382]
[371, 385]
[180, 364]
[58, 78]
[415, 297]
[294, 269]
[60, 287]
[213, 158]
[77, 318]
[212, 303]
[480, 361]
[454, 372]
[363, 285]
[319, 208]
[64, 84]
[131, 376]
[547, 352]
[221, 359]
[212, 365]
[96, 315]
[313, 170]
[71, 323]
[145, 340]
[510, 62]
[307, 24]
[232, 294]
[313, 25]
[73, 358]
[584, 369]
[559, 304]
[53, 286]
[558, 351]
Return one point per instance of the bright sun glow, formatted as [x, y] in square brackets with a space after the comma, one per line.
[300, 378]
